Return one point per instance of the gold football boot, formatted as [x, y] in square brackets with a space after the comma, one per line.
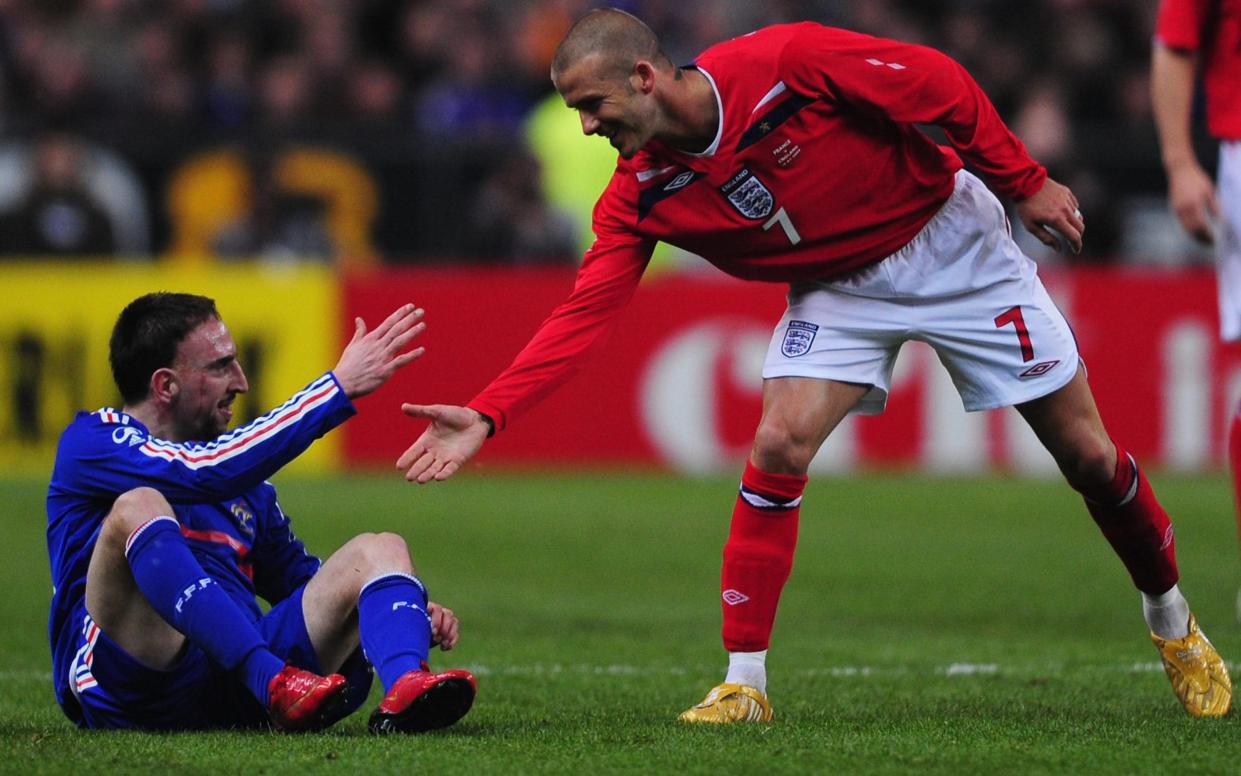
[1197, 672]
[728, 703]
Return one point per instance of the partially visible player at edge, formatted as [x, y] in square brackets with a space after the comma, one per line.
[1193, 36]
[792, 154]
[162, 530]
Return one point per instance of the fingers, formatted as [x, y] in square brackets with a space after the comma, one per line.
[396, 317]
[1197, 220]
[411, 454]
[445, 627]
[449, 469]
[359, 329]
[424, 468]
[421, 462]
[401, 339]
[421, 411]
[405, 358]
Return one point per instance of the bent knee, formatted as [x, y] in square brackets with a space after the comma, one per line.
[135, 507]
[781, 450]
[383, 551]
[1090, 465]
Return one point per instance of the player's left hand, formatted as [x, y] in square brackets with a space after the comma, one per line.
[1052, 211]
[443, 626]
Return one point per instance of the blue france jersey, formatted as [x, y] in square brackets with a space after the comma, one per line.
[227, 511]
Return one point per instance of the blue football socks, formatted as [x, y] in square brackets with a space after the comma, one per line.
[171, 578]
[395, 625]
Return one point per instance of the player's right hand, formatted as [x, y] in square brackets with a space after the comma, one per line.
[454, 436]
[1192, 197]
[371, 358]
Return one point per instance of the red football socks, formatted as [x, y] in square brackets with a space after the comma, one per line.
[1136, 526]
[758, 556]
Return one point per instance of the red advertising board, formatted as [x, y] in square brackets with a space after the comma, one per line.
[677, 385]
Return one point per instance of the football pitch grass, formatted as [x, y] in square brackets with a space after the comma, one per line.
[931, 625]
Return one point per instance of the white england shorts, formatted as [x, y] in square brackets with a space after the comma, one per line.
[962, 286]
[1228, 240]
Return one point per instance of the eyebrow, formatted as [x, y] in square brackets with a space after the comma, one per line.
[580, 101]
[222, 361]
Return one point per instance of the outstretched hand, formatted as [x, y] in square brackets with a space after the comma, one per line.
[1053, 207]
[371, 358]
[454, 436]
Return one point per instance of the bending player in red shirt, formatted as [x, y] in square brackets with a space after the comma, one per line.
[1193, 35]
[792, 154]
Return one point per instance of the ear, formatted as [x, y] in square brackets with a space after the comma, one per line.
[643, 77]
[164, 385]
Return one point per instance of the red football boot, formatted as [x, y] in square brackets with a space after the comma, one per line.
[303, 700]
[421, 701]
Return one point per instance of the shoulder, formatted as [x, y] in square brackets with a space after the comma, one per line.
[104, 425]
[763, 43]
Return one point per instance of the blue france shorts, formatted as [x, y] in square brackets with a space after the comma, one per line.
[114, 690]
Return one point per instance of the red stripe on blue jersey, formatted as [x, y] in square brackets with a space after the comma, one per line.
[270, 424]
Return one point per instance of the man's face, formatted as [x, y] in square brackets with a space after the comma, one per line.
[209, 378]
[607, 104]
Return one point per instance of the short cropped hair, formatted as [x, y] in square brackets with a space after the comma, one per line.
[146, 336]
[621, 38]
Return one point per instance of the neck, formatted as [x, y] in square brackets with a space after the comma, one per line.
[157, 422]
[693, 115]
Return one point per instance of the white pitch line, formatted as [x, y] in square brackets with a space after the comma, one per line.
[835, 672]
[840, 672]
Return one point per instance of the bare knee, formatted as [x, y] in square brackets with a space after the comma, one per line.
[130, 510]
[1089, 464]
[380, 553]
[781, 449]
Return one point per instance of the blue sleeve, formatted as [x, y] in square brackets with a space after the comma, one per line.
[281, 561]
[106, 454]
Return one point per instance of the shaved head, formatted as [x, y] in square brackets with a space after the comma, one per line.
[617, 38]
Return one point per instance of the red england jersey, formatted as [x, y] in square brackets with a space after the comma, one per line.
[1213, 29]
[817, 169]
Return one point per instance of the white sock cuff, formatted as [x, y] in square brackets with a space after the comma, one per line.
[138, 531]
[748, 657]
[389, 575]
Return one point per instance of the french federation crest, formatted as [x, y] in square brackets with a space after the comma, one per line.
[244, 517]
[798, 338]
[748, 194]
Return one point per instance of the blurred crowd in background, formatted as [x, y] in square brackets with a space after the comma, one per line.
[360, 132]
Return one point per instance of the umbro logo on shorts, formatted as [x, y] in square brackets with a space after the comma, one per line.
[1041, 368]
[734, 597]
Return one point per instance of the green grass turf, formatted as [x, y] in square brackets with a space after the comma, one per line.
[937, 625]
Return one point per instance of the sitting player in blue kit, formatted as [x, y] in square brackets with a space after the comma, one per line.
[162, 530]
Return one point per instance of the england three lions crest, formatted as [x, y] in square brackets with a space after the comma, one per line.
[748, 194]
[798, 338]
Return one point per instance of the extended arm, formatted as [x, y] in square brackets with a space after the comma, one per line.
[110, 455]
[1190, 190]
[607, 280]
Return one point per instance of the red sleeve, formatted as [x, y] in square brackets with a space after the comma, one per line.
[607, 280]
[1179, 24]
[912, 85]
